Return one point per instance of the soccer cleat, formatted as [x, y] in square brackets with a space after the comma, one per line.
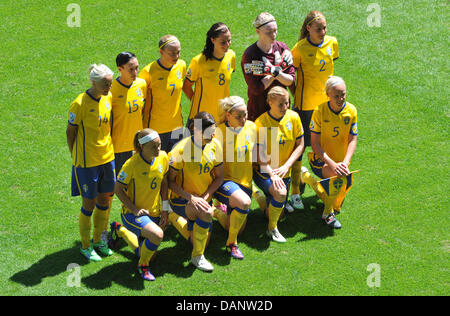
[201, 263]
[113, 238]
[102, 248]
[90, 254]
[235, 252]
[296, 201]
[276, 236]
[331, 221]
[145, 273]
[288, 207]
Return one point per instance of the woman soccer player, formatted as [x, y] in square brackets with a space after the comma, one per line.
[164, 79]
[265, 64]
[314, 55]
[196, 172]
[210, 72]
[280, 144]
[93, 175]
[238, 139]
[334, 131]
[128, 97]
[141, 182]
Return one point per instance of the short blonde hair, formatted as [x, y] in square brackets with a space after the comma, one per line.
[276, 92]
[167, 40]
[230, 103]
[98, 72]
[262, 19]
[333, 81]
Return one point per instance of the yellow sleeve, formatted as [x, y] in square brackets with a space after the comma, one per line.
[176, 158]
[354, 124]
[193, 72]
[296, 56]
[315, 125]
[335, 49]
[145, 74]
[126, 173]
[298, 128]
[75, 113]
[233, 62]
[218, 154]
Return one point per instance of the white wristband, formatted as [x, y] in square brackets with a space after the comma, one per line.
[165, 205]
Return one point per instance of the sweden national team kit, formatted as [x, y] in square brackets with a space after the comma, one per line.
[212, 82]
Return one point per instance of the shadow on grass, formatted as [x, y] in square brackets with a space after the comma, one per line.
[175, 260]
[307, 221]
[49, 266]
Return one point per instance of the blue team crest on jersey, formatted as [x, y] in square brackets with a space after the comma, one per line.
[179, 75]
[346, 120]
[311, 125]
[211, 155]
[122, 176]
[72, 117]
[247, 138]
[228, 66]
[329, 51]
[160, 168]
[138, 92]
[108, 107]
[289, 126]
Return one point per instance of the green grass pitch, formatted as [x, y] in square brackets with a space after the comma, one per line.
[395, 220]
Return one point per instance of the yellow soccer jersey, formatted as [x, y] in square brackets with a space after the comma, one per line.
[163, 105]
[93, 146]
[281, 133]
[195, 164]
[127, 106]
[143, 180]
[238, 154]
[314, 63]
[334, 128]
[212, 82]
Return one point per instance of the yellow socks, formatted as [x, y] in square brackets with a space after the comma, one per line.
[275, 209]
[295, 177]
[200, 237]
[221, 217]
[314, 184]
[147, 250]
[237, 219]
[100, 218]
[130, 238]
[84, 223]
[259, 197]
[180, 223]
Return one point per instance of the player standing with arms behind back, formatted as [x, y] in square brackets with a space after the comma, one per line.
[164, 79]
[210, 72]
[93, 176]
[128, 97]
[314, 55]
